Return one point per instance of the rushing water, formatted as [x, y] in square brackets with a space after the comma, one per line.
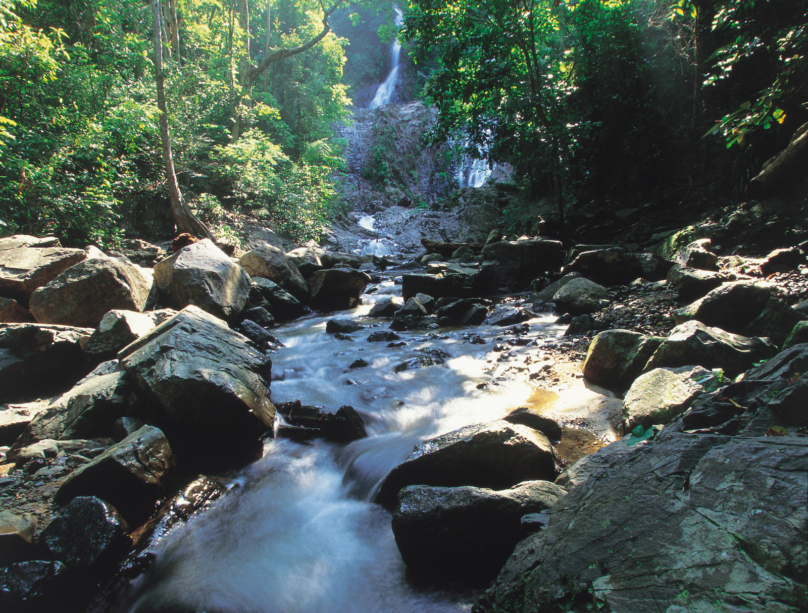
[384, 94]
[297, 531]
[472, 172]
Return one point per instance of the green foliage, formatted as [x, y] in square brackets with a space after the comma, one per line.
[774, 32]
[298, 197]
[79, 124]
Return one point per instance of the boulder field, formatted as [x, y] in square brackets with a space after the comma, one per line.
[121, 382]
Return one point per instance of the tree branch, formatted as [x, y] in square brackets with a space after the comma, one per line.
[282, 54]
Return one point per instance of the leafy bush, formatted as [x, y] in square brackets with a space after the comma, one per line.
[299, 197]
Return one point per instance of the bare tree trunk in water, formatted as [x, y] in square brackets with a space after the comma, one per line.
[183, 218]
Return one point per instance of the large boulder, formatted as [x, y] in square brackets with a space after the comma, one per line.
[496, 455]
[88, 533]
[337, 288]
[119, 328]
[580, 296]
[693, 343]
[731, 307]
[128, 475]
[462, 312]
[522, 261]
[39, 360]
[209, 387]
[782, 260]
[27, 263]
[615, 266]
[88, 410]
[685, 522]
[616, 357]
[84, 293]
[692, 283]
[271, 263]
[455, 282]
[33, 586]
[776, 321]
[659, 396]
[546, 295]
[306, 260]
[465, 533]
[202, 275]
[282, 304]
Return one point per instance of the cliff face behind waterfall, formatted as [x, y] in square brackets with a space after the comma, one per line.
[388, 163]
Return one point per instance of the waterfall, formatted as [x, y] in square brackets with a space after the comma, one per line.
[385, 92]
[472, 172]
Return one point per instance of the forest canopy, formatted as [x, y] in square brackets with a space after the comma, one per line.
[587, 100]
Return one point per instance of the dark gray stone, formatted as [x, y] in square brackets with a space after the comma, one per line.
[337, 288]
[39, 360]
[685, 521]
[128, 475]
[203, 276]
[496, 455]
[465, 533]
[209, 386]
[87, 533]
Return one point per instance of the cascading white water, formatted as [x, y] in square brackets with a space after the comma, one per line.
[297, 533]
[472, 172]
[385, 91]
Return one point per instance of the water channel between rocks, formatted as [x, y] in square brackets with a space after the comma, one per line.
[296, 532]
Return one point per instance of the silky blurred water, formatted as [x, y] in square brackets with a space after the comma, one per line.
[297, 532]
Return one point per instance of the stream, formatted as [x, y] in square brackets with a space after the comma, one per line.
[297, 531]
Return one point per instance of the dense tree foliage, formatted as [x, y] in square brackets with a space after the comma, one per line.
[608, 100]
[592, 102]
[80, 123]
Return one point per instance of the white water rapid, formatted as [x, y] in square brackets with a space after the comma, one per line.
[297, 532]
[385, 91]
[472, 172]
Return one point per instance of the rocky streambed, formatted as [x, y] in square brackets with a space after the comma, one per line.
[319, 430]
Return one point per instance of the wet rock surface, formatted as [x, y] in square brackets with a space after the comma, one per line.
[465, 533]
[206, 384]
[87, 533]
[128, 475]
[493, 455]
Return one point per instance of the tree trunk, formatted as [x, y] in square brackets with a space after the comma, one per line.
[251, 73]
[173, 28]
[267, 39]
[183, 218]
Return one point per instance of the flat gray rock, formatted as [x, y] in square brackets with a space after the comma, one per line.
[84, 293]
[27, 263]
[682, 523]
[659, 396]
